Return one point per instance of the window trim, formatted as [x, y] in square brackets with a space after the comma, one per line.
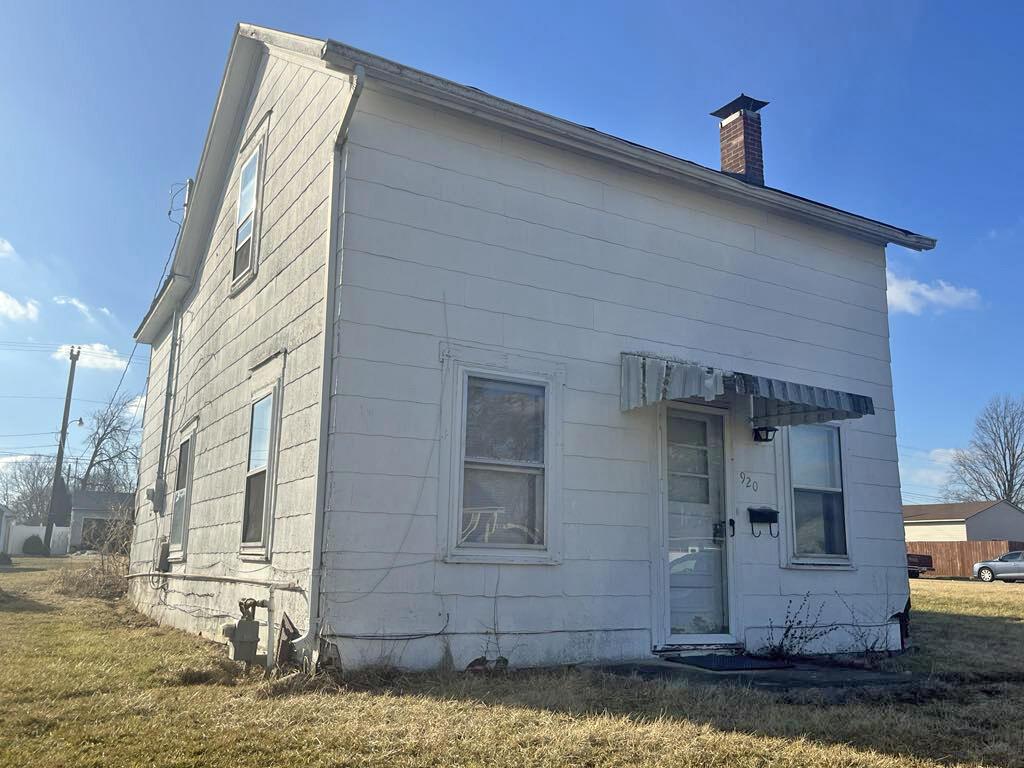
[177, 553]
[245, 154]
[260, 550]
[791, 557]
[459, 364]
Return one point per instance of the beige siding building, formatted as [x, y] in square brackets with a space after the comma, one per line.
[439, 377]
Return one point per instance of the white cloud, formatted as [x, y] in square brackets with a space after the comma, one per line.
[925, 471]
[94, 356]
[914, 297]
[106, 312]
[12, 309]
[6, 249]
[81, 306]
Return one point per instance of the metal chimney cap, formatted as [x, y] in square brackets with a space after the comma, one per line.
[740, 102]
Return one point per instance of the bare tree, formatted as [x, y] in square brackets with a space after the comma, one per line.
[992, 465]
[108, 463]
[26, 482]
[112, 448]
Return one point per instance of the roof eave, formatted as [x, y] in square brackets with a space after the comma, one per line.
[173, 291]
[239, 69]
[554, 130]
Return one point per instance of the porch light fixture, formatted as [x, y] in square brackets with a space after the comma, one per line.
[764, 434]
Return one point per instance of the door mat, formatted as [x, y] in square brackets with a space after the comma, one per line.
[720, 662]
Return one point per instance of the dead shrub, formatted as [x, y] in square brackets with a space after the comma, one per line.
[106, 575]
[106, 580]
[215, 671]
[296, 684]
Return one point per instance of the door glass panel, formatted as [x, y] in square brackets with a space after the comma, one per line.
[696, 525]
[686, 431]
[682, 458]
[689, 489]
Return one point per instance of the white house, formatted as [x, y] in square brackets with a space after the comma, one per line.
[966, 521]
[440, 376]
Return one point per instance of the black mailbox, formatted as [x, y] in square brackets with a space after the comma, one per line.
[764, 516]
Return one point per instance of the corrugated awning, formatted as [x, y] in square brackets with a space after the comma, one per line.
[647, 379]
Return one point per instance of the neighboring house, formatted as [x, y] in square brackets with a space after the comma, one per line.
[967, 521]
[92, 514]
[440, 376]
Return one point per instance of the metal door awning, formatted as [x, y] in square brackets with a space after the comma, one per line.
[648, 379]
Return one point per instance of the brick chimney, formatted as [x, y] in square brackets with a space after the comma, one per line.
[740, 132]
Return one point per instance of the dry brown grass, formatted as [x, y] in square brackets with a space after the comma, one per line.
[86, 682]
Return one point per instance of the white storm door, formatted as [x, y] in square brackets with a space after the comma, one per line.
[694, 488]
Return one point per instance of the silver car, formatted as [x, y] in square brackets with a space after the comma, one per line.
[1008, 567]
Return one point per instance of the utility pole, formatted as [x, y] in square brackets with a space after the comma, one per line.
[59, 468]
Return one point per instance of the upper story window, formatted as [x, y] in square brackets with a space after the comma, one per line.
[259, 468]
[245, 224]
[503, 468]
[180, 499]
[819, 516]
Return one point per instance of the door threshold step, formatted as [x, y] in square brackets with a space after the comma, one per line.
[724, 662]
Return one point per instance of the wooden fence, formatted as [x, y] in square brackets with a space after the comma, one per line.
[956, 558]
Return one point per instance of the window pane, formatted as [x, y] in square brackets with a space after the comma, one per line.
[244, 230]
[242, 258]
[687, 431]
[504, 421]
[181, 473]
[259, 434]
[502, 508]
[820, 523]
[695, 490]
[255, 496]
[178, 517]
[247, 187]
[693, 461]
[814, 454]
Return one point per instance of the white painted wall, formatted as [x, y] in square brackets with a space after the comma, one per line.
[1002, 521]
[18, 533]
[222, 338]
[924, 531]
[453, 230]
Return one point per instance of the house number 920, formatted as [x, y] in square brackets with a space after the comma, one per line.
[746, 481]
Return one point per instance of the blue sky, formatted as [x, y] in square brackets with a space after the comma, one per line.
[902, 111]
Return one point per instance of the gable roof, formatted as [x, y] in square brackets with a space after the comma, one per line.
[246, 51]
[99, 501]
[929, 513]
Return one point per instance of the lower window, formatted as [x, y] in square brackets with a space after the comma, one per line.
[180, 499]
[504, 465]
[819, 517]
[254, 518]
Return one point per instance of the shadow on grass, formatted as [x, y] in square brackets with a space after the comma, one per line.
[19, 568]
[14, 602]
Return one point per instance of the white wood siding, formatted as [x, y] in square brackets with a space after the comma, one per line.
[454, 230]
[222, 337]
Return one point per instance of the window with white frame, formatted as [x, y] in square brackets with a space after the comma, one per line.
[819, 517]
[180, 499]
[258, 472]
[245, 223]
[503, 464]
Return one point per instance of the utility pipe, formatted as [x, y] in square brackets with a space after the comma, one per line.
[287, 586]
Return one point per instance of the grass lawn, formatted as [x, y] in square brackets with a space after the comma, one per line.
[89, 683]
